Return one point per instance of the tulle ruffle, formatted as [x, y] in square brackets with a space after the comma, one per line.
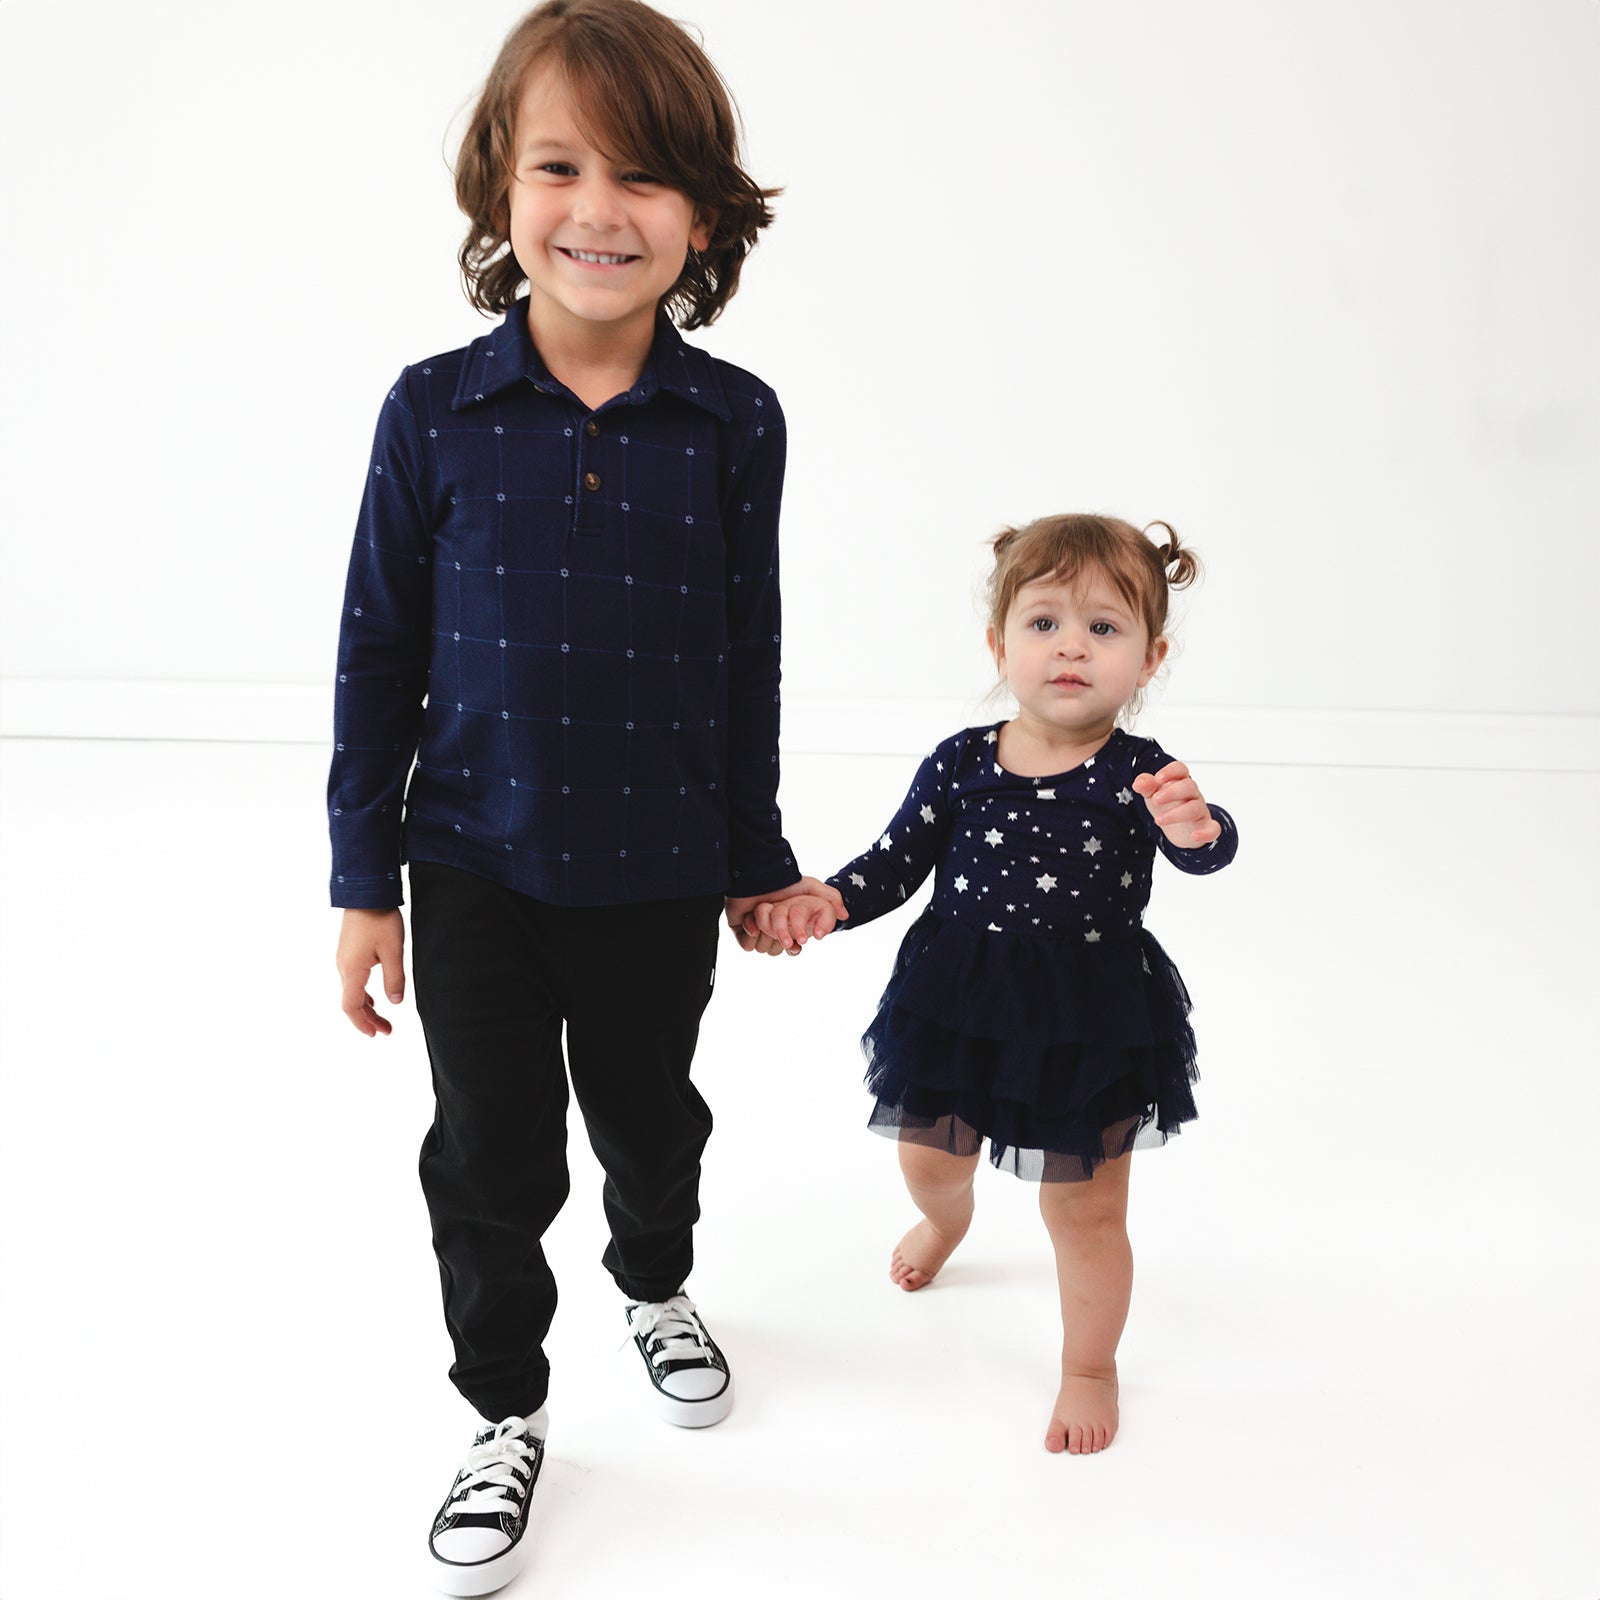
[1061, 1055]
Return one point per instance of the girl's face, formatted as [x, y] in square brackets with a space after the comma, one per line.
[601, 243]
[1073, 654]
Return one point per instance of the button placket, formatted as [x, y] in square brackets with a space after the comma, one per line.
[589, 513]
[592, 474]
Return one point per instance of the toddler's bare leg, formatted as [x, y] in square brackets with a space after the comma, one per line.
[941, 1188]
[1088, 1225]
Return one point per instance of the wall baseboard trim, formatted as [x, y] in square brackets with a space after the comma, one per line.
[299, 713]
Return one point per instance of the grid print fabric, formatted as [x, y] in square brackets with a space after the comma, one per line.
[569, 620]
[1067, 856]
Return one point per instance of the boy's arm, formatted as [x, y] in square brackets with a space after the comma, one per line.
[760, 860]
[384, 642]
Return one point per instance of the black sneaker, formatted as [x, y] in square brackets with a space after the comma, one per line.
[693, 1386]
[477, 1541]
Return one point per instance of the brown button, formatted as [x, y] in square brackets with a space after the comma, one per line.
[591, 480]
[592, 428]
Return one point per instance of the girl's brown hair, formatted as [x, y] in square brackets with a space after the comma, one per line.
[642, 91]
[1062, 549]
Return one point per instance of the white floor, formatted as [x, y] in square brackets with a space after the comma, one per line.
[1362, 1355]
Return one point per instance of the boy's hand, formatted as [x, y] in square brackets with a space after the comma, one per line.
[802, 916]
[741, 914]
[1177, 806]
[369, 939]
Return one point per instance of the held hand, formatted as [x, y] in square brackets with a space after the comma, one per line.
[1178, 807]
[739, 911]
[791, 922]
[369, 939]
[741, 914]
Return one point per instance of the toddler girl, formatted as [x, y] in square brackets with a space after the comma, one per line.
[1028, 1004]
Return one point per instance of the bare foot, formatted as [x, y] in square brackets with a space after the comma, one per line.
[1085, 1417]
[918, 1256]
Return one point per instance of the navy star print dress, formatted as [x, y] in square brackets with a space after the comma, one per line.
[1028, 1004]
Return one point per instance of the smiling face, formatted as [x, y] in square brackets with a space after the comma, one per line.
[1073, 654]
[601, 241]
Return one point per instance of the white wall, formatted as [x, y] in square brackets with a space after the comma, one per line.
[1316, 284]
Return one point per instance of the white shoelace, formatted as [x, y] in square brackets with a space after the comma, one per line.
[677, 1324]
[493, 1467]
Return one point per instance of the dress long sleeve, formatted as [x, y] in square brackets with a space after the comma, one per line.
[896, 864]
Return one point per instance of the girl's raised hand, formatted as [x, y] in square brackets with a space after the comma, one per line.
[1178, 807]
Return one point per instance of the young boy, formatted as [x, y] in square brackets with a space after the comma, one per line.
[563, 600]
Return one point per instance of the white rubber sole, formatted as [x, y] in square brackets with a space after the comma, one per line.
[695, 1413]
[482, 1577]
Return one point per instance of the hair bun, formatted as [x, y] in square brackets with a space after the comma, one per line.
[1181, 566]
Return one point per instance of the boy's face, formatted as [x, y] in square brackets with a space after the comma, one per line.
[601, 243]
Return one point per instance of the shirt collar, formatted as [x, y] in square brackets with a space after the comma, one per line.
[507, 356]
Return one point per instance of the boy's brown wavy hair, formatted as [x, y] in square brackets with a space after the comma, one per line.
[643, 92]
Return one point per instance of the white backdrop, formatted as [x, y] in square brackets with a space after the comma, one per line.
[1316, 284]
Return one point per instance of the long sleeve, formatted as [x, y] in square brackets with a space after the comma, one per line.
[384, 641]
[1201, 859]
[759, 857]
[889, 871]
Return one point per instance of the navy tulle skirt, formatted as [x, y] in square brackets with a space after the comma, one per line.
[1061, 1054]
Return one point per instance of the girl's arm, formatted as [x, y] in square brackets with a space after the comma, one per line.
[384, 646]
[889, 871]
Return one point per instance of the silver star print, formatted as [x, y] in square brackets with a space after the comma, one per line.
[927, 813]
[961, 885]
[858, 880]
[993, 836]
[1124, 796]
[1127, 880]
[1047, 883]
[1091, 937]
[990, 736]
[1091, 846]
[885, 842]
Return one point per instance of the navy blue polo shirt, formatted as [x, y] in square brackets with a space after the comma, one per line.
[569, 621]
